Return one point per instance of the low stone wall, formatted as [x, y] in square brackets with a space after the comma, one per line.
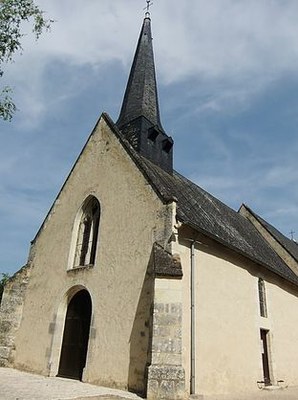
[11, 310]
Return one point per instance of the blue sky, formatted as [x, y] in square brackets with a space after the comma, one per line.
[228, 89]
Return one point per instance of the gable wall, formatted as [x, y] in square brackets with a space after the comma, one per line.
[277, 247]
[228, 322]
[132, 219]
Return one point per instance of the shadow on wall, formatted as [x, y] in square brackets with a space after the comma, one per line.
[141, 335]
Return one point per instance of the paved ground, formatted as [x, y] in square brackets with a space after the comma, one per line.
[16, 385]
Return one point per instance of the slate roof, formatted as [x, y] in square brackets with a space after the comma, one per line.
[165, 264]
[289, 245]
[202, 211]
[208, 215]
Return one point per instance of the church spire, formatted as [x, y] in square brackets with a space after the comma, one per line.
[140, 97]
[139, 119]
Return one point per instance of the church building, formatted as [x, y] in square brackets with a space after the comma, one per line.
[139, 279]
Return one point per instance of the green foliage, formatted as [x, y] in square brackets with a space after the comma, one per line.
[3, 281]
[7, 107]
[12, 14]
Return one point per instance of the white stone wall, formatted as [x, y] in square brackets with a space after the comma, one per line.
[283, 320]
[132, 219]
[227, 320]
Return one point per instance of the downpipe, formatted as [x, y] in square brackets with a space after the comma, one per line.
[192, 320]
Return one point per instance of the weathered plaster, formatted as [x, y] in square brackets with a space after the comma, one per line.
[227, 320]
[133, 218]
[11, 311]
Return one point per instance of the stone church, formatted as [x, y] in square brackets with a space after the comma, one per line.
[141, 280]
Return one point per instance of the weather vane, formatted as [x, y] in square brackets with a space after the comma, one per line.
[147, 8]
[292, 234]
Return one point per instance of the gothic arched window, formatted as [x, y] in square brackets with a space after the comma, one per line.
[87, 233]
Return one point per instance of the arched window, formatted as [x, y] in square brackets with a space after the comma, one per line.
[87, 233]
[262, 298]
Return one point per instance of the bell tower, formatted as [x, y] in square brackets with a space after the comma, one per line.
[139, 119]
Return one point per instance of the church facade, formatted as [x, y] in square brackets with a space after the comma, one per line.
[141, 280]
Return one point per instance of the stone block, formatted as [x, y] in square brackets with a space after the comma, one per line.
[172, 308]
[167, 319]
[166, 372]
[5, 326]
[166, 345]
[166, 382]
[166, 358]
[159, 307]
[167, 389]
[161, 331]
[3, 363]
[4, 352]
[178, 333]
[153, 387]
[176, 308]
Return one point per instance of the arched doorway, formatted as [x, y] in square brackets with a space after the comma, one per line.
[76, 336]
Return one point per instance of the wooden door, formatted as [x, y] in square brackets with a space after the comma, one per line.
[75, 336]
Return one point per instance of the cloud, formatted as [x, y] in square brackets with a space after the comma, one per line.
[282, 175]
[239, 47]
[229, 38]
[227, 73]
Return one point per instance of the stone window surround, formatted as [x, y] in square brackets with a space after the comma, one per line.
[77, 231]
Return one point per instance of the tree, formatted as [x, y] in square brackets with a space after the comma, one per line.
[12, 15]
[3, 281]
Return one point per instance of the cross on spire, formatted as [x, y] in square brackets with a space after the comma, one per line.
[147, 8]
[292, 234]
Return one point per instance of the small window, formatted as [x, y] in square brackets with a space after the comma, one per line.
[262, 298]
[87, 234]
[167, 145]
[152, 134]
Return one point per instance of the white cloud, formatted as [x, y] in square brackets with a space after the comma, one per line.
[214, 57]
[239, 47]
[228, 38]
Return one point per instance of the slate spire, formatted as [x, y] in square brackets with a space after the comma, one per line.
[139, 119]
[140, 97]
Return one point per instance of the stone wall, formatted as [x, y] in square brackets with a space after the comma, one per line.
[166, 378]
[133, 218]
[11, 313]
